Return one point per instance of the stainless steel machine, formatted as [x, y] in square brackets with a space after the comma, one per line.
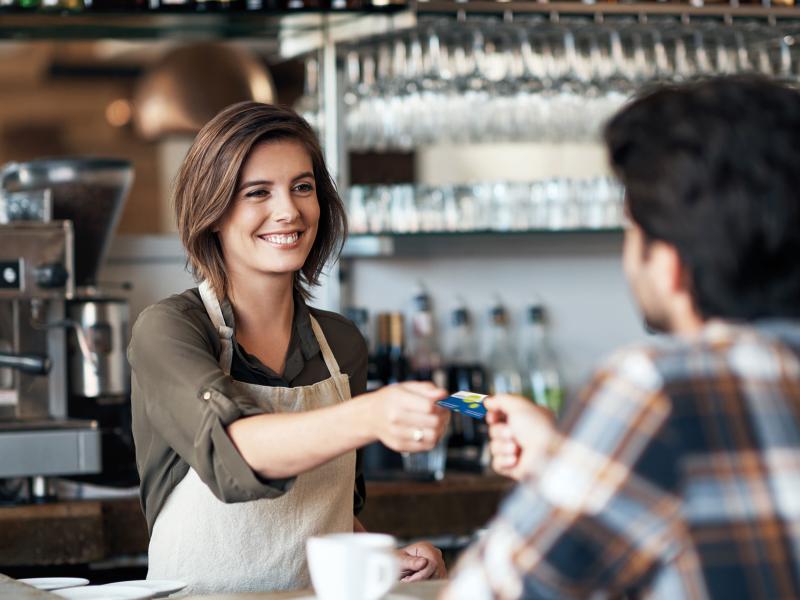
[64, 382]
[37, 439]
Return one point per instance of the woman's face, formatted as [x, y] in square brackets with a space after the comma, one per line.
[271, 225]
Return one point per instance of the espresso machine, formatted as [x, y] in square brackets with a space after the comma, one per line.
[37, 438]
[64, 381]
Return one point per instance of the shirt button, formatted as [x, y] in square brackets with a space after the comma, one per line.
[207, 396]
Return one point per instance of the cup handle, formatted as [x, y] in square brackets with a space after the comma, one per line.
[382, 574]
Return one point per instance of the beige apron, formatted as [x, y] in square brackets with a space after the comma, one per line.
[257, 545]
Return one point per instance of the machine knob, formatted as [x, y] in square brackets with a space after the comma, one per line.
[51, 276]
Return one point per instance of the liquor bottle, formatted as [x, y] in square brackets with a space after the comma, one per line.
[504, 373]
[425, 358]
[391, 366]
[543, 381]
[464, 373]
[390, 355]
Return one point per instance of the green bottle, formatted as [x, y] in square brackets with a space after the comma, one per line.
[543, 381]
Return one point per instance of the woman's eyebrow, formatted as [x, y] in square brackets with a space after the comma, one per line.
[267, 182]
[304, 175]
[247, 184]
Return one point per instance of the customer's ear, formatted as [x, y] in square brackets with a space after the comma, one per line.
[666, 269]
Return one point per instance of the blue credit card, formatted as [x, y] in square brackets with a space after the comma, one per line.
[468, 403]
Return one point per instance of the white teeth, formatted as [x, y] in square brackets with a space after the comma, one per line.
[283, 239]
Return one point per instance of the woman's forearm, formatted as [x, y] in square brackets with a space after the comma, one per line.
[287, 444]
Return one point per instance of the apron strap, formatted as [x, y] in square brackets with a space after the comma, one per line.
[214, 310]
[339, 380]
[327, 353]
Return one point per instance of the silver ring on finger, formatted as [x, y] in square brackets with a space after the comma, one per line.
[418, 435]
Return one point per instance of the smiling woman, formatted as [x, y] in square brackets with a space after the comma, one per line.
[236, 384]
[272, 224]
[228, 159]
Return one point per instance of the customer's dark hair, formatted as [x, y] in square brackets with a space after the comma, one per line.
[713, 168]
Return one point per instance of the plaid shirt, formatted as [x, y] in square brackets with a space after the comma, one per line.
[677, 476]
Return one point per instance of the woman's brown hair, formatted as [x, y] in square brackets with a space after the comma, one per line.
[206, 187]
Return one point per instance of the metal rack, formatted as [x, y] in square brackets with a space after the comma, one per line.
[599, 11]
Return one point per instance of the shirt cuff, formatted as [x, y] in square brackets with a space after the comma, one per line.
[235, 480]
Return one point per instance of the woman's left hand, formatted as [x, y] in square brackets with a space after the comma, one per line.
[421, 561]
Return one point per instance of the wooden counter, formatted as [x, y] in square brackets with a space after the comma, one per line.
[423, 590]
[85, 531]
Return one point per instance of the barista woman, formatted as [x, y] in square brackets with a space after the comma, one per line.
[245, 429]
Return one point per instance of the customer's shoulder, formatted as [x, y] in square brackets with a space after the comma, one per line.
[712, 351]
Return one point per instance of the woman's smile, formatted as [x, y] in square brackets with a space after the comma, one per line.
[282, 241]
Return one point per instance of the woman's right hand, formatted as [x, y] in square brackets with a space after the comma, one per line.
[405, 416]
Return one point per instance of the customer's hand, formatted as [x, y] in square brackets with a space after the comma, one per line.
[519, 433]
[405, 416]
[421, 561]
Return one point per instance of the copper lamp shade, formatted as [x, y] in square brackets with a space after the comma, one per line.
[191, 84]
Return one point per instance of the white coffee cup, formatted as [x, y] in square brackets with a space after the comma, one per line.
[352, 566]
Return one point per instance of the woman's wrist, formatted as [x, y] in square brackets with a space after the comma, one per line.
[361, 418]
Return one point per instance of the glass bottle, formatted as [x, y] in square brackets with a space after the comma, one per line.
[390, 357]
[425, 357]
[504, 373]
[464, 373]
[543, 381]
[391, 366]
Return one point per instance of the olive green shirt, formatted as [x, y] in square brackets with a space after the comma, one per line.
[182, 401]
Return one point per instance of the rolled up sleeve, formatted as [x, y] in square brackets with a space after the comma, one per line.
[182, 403]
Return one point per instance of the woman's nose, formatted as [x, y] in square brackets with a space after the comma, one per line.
[284, 208]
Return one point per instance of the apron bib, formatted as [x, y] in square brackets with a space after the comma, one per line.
[259, 545]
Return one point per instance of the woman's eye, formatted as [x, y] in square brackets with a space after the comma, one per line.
[304, 188]
[257, 194]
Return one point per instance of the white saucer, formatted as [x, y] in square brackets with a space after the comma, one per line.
[159, 587]
[55, 583]
[106, 592]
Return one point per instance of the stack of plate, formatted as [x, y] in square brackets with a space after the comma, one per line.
[77, 588]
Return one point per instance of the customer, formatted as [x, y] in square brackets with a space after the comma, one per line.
[677, 474]
[242, 414]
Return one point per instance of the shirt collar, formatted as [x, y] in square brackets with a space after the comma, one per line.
[303, 345]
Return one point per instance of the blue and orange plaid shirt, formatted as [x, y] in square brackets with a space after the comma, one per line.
[677, 475]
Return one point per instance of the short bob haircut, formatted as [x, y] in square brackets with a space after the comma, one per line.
[206, 183]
